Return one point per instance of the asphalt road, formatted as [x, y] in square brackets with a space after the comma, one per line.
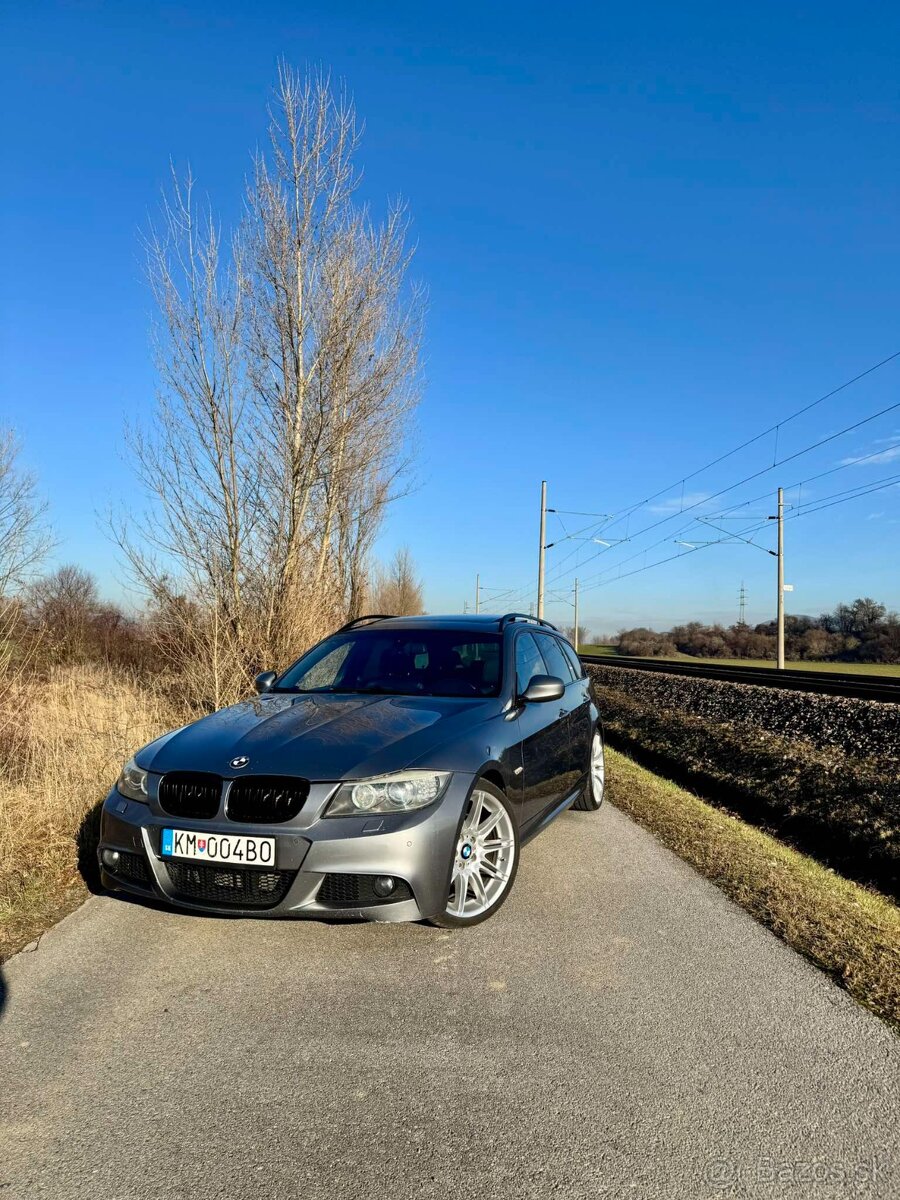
[619, 1029]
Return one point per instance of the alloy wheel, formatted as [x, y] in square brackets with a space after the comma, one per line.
[485, 858]
[598, 768]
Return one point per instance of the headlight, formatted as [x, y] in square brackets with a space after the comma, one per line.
[389, 793]
[133, 782]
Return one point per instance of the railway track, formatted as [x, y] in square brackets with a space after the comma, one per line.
[833, 683]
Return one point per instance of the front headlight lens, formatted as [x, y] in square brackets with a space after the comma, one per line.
[403, 792]
[133, 782]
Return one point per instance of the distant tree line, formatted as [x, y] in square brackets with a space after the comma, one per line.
[864, 631]
[61, 620]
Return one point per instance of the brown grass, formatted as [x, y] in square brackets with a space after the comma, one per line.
[64, 740]
[849, 931]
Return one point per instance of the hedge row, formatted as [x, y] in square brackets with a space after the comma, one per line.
[842, 810]
[861, 728]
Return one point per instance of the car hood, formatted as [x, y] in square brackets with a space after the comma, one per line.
[319, 737]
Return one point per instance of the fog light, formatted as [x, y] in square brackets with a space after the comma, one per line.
[384, 885]
[110, 858]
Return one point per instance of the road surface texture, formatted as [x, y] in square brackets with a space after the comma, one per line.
[618, 1029]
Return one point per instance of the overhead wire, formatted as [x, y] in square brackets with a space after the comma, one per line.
[814, 506]
[747, 479]
[614, 518]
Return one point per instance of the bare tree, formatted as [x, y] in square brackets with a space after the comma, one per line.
[64, 606]
[584, 637]
[24, 538]
[24, 542]
[288, 360]
[396, 588]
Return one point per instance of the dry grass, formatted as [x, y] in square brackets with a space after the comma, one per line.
[63, 743]
[847, 930]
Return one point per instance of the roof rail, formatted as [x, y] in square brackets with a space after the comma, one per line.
[367, 617]
[510, 617]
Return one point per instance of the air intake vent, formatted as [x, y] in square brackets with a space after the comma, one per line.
[132, 866]
[266, 799]
[229, 886]
[190, 794]
[358, 891]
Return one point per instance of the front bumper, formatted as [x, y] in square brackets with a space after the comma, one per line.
[415, 847]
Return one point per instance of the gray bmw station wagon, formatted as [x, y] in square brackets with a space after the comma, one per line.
[392, 773]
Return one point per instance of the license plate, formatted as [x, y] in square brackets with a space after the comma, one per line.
[219, 847]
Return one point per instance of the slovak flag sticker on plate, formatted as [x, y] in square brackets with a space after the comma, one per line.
[171, 840]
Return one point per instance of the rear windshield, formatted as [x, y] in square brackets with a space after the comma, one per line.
[433, 662]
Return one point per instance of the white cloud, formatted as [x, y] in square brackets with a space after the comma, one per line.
[674, 504]
[875, 516]
[875, 456]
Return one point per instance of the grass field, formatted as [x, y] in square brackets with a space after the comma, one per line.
[62, 744]
[849, 931]
[891, 670]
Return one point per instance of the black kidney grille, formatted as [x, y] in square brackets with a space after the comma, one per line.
[266, 799]
[358, 891]
[229, 885]
[190, 794]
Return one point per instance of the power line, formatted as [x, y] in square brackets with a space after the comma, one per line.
[815, 506]
[758, 437]
[845, 466]
[748, 478]
[806, 509]
[614, 518]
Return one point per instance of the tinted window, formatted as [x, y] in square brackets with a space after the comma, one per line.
[528, 661]
[573, 658]
[430, 662]
[557, 663]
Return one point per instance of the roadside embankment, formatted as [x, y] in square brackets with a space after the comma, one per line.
[822, 773]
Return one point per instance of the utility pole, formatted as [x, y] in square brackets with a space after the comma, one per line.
[540, 591]
[575, 639]
[780, 579]
[780, 556]
[782, 586]
[477, 593]
[742, 598]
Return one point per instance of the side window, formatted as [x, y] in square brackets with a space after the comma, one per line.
[479, 664]
[528, 661]
[573, 658]
[557, 663]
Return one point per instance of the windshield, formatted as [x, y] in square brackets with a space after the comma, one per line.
[433, 662]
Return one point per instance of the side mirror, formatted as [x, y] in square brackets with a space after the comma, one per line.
[264, 681]
[543, 688]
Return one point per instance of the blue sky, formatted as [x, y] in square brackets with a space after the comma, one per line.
[648, 232]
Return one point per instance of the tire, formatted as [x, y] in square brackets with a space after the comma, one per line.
[490, 861]
[595, 788]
